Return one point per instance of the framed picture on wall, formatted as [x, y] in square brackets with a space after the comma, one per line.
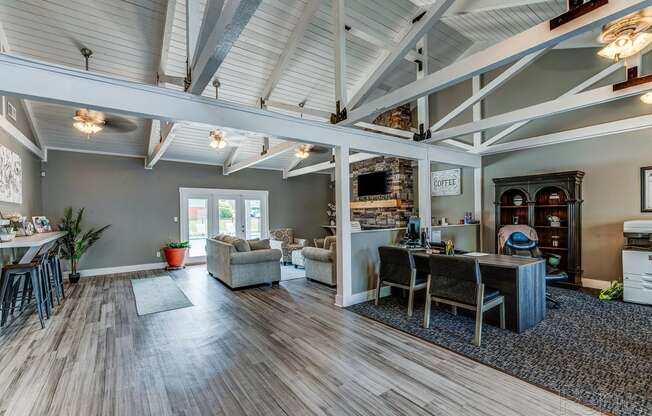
[646, 189]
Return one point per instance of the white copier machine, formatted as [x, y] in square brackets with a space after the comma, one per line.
[637, 262]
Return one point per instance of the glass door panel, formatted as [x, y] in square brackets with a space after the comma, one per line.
[227, 217]
[253, 220]
[197, 226]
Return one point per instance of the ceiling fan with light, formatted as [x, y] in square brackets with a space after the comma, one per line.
[626, 36]
[91, 122]
[305, 150]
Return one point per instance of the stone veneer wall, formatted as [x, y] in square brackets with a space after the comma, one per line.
[400, 184]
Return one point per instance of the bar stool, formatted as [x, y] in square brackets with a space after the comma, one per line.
[54, 272]
[31, 277]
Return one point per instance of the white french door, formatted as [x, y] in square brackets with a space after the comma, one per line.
[208, 212]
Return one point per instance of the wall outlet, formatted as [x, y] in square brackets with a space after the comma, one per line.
[158, 254]
[176, 219]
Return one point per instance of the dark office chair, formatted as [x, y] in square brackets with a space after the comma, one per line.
[397, 269]
[519, 245]
[456, 281]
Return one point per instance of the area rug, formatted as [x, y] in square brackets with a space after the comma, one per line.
[158, 294]
[292, 273]
[594, 352]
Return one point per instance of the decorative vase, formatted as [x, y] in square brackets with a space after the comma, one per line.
[175, 257]
[518, 200]
[74, 277]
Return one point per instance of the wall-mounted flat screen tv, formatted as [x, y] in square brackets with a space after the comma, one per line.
[371, 184]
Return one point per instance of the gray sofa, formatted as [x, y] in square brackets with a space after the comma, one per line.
[320, 261]
[239, 263]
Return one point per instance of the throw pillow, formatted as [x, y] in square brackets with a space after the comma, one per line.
[239, 244]
[259, 244]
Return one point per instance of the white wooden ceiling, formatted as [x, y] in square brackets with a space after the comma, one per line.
[126, 37]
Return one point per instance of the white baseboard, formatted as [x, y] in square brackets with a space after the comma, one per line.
[595, 284]
[121, 269]
[361, 297]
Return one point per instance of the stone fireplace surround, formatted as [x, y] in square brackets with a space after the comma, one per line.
[400, 185]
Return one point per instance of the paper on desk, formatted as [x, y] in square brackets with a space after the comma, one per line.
[475, 254]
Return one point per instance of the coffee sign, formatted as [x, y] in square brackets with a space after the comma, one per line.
[447, 182]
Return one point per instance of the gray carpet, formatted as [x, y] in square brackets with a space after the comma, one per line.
[158, 294]
[594, 352]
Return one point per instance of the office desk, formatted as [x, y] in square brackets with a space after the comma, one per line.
[520, 280]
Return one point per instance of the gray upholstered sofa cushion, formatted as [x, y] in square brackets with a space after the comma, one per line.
[239, 269]
[259, 244]
[318, 254]
[256, 256]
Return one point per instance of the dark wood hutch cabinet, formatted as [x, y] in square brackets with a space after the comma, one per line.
[532, 199]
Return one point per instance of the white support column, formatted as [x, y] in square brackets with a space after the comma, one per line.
[425, 201]
[343, 218]
[477, 200]
[339, 30]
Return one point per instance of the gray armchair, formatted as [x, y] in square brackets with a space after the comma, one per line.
[321, 263]
[283, 239]
[234, 263]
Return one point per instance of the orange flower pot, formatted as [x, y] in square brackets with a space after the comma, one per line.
[176, 257]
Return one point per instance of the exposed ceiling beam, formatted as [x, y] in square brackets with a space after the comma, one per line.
[14, 132]
[272, 152]
[418, 30]
[193, 26]
[560, 105]
[320, 167]
[583, 133]
[489, 88]
[167, 133]
[293, 164]
[32, 79]
[230, 158]
[288, 50]
[339, 48]
[325, 115]
[475, 6]
[575, 90]
[231, 22]
[509, 50]
[212, 13]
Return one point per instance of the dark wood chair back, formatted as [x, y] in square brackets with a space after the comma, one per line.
[396, 265]
[455, 278]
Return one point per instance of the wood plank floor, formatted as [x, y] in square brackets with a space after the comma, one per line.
[265, 351]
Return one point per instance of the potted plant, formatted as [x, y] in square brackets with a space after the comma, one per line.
[76, 241]
[175, 254]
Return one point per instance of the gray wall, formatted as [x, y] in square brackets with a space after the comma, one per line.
[611, 186]
[31, 164]
[140, 204]
[453, 207]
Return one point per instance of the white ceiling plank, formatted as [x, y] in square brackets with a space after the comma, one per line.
[394, 59]
[558, 106]
[583, 133]
[30, 79]
[320, 167]
[489, 88]
[476, 6]
[290, 47]
[339, 48]
[575, 90]
[270, 153]
[234, 17]
[509, 50]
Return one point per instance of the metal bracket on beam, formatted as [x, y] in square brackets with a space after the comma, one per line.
[419, 17]
[576, 8]
[422, 135]
[339, 115]
[634, 81]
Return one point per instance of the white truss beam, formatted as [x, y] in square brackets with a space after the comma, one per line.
[325, 115]
[14, 132]
[272, 152]
[212, 13]
[167, 133]
[583, 133]
[549, 108]
[395, 57]
[293, 164]
[31, 79]
[509, 50]
[230, 159]
[320, 167]
[288, 51]
[496, 83]
[339, 47]
[575, 90]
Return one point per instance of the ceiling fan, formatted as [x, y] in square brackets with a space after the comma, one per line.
[91, 122]
[626, 36]
[305, 150]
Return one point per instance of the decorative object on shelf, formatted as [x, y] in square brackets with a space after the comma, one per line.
[515, 220]
[7, 232]
[19, 222]
[175, 254]
[330, 211]
[518, 200]
[76, 241]
[646, 189]
[554, 260]
[555, 241]
[554, 197]
[41, 224]
[442, 221]
[613, 292]
[11, 177]
[449, 248]
[554, 220]
[447, 182]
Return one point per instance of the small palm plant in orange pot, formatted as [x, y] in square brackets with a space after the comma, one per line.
[175, 254]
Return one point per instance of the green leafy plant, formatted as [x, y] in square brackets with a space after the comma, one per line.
[613, 292]
[77, 241]
[178, 244]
